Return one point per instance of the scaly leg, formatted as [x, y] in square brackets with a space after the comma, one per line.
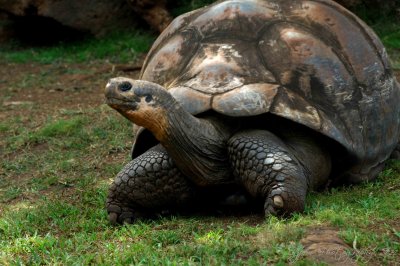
[149, 183]
[270, 169]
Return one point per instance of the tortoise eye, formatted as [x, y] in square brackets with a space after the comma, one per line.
[148, 98]
[125, 86]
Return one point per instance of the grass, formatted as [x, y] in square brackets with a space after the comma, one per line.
[183, 6]
[54, 229]
[120, 47]
[57, 163]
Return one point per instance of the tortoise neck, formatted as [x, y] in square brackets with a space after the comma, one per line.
[198, 146]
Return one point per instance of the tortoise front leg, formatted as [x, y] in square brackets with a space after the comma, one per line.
[149, 183]
[269, 169]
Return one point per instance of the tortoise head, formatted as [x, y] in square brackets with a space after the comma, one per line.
[142, 102]
[133, 95]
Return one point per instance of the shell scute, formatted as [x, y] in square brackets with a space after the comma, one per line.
[254, 99]
[242, 19]
[170, 59]
[344, 32]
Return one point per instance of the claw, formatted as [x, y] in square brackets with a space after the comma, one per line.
[278, 201]
[112, 217]
[118, 214]
[269, 208]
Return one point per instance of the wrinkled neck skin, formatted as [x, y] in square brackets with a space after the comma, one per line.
[197, 145]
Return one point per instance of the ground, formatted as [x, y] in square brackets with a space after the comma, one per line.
[60, 147]
[37, 94]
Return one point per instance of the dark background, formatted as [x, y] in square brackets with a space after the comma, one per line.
[47, 22]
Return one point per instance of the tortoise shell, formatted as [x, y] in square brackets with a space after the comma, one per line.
[312, 62]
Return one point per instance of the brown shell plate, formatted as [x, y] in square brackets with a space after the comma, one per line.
[312, 62]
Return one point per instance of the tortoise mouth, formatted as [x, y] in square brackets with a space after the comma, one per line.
[118, 103]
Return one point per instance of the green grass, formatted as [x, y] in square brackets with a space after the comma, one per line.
[183, 6]
[120, 47]
[58, 152]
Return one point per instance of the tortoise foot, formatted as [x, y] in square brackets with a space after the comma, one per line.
[268, 170]
[119, 214]
[273, 205]
[284, 201]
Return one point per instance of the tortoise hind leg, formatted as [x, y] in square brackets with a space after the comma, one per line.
[396, 153]
[149, 183]
[269, 169]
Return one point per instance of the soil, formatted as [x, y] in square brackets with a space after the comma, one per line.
[324, 245]
[33, 92]
[56, 86]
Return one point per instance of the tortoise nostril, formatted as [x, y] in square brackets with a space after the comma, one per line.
[125, 86]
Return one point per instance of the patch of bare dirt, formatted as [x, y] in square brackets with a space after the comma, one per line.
[56, 86]
[324, 245]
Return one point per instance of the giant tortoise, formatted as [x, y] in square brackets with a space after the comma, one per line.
[278, 97]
